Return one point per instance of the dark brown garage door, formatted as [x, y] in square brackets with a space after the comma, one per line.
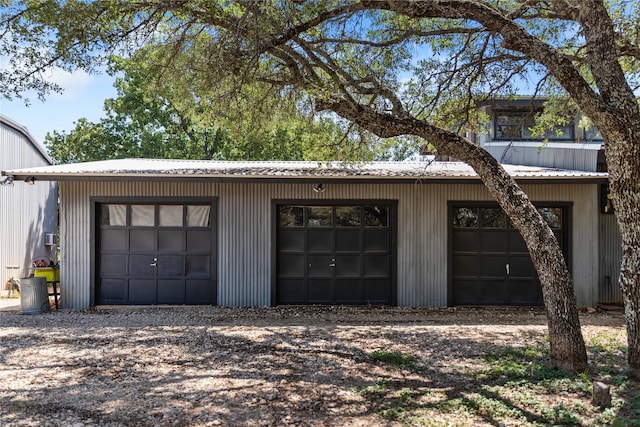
[156, 253]
[335, 254]
[490, 263]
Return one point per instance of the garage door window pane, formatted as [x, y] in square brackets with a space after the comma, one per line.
[493, 218]
[170, 215]
[465, 218]
[319, 217]
[143, 215]
[348, 216]
[553, 216]
[376, 216]
[198, 216]
[291, 216]
[114, 215]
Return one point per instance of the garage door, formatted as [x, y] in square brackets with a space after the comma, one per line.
[340, 254]
[490, 263]
[156, 253]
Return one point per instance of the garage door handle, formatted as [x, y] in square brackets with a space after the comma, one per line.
[507, 269]
[333, 263]
[154, 263]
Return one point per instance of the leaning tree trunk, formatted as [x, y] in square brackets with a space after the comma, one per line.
[565, 336]
[630, 286]
[566, 342]
[623, 159]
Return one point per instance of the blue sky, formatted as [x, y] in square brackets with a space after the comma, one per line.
[84, 96]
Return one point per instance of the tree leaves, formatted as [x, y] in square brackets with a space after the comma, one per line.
[178, 118]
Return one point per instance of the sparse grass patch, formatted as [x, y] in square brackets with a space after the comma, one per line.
[425, 408]
[630, 407]
[607, 353]
[515, 385]
[407, 394]
[559, 415]
[513, 364]
[394, 358]
[373, 392]
[608, 349]
[493, 405]
[607, 341]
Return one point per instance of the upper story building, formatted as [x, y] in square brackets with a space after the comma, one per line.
[511, 141]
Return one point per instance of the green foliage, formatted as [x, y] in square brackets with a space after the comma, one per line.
[436, 66]
[151, 119]
[397, 149]
[211, 74]
[558, 112]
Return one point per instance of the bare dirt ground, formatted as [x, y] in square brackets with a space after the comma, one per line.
[268, 366]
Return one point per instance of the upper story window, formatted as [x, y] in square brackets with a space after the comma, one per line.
[516, 125]
[592, 134]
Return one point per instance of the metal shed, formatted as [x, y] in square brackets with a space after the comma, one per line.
[28, 214]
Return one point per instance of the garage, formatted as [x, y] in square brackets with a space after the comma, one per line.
[489, 261]
[342, 253]
[156, 253]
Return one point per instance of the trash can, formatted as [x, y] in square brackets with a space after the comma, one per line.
[34, 296]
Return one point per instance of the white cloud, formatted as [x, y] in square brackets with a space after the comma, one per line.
[83, 96]
[74, 84]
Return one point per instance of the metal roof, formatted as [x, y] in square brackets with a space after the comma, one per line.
[23, 130]
[146, 169]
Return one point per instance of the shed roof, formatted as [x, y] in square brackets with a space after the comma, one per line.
[24, 131]
[159, 169]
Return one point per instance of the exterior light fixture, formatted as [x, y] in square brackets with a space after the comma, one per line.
[31, 180]
[7, 180]
[606, 200]
[319, 188]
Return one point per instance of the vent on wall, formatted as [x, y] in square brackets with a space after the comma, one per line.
[50, 239]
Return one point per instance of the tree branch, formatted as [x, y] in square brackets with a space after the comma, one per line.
[406, 35]
[515, 37]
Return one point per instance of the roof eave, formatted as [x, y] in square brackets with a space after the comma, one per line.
[601, 178]
[25, 132]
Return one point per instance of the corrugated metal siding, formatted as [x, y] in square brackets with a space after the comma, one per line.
[244, 232]
[244, 259]
[610, 258]
[27, 212]
[584, 234]
[549, 156]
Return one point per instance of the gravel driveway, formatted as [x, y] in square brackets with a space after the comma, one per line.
[224, 366]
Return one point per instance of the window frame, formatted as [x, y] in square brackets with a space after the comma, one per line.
[527, 119]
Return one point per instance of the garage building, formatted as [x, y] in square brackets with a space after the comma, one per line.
[415, 234]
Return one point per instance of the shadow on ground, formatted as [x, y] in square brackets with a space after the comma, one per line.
[213, 366]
